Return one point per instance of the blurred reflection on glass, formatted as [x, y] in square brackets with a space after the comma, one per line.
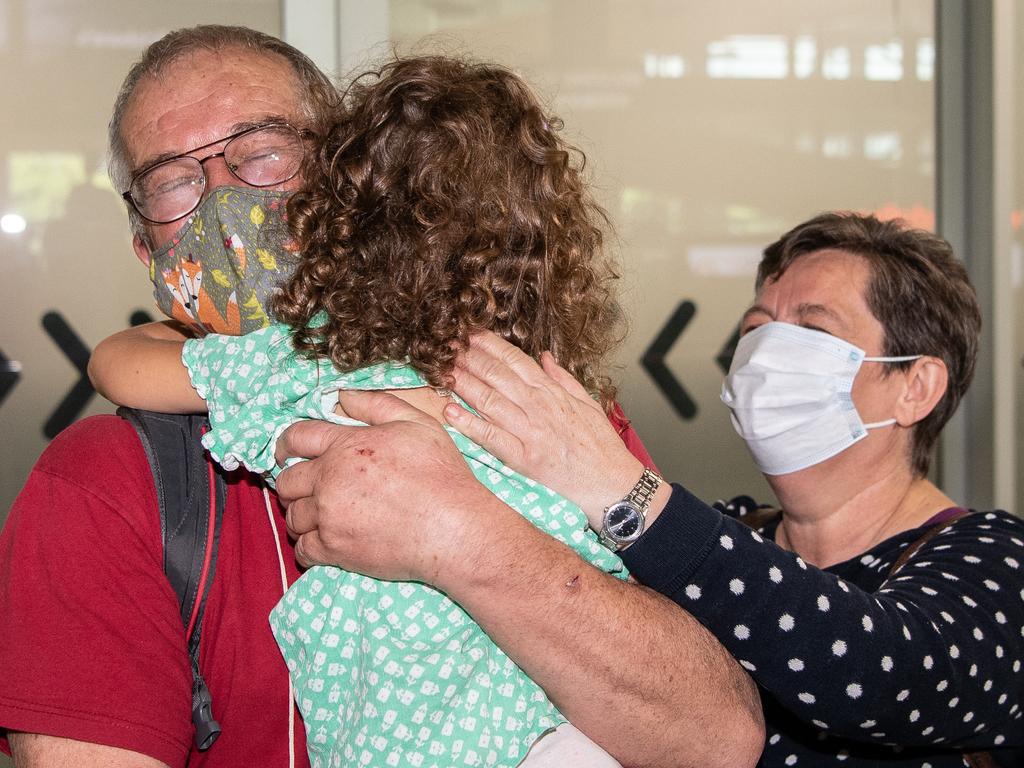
[711, 129]
[63, 63]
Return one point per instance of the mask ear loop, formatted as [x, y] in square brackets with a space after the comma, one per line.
[903, 359]
[879, 424]
[900, 359]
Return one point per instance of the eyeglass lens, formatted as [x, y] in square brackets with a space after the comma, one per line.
[261, 157]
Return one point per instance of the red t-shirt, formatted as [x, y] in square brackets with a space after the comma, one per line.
[92, 646]
[629, 436]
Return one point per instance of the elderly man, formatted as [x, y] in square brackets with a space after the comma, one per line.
[94, 659]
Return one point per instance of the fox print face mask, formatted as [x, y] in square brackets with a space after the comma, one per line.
[219, 270]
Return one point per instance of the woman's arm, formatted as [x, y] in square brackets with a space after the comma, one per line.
[925, 655]
[141, 367]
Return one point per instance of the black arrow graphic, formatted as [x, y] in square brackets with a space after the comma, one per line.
[724, 356]
[10, 372]
[653, 360]
[79, 395]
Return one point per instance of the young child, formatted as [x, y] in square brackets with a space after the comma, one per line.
[443, 203]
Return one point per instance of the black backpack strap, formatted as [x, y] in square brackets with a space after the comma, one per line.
[190, 494]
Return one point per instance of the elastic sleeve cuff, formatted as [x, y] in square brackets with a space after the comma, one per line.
[193, 358]
[674, 547]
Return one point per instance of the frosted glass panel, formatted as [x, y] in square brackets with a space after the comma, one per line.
[710, 128]
[65, 251]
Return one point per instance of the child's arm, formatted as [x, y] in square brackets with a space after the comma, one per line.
[141, 368]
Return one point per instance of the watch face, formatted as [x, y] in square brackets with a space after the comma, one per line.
[623, 522]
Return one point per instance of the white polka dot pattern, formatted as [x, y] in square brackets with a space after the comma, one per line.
[929, 659]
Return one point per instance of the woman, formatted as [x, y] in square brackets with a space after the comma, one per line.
[861, 659]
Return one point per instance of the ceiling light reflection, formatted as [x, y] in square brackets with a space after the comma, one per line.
[13, 223]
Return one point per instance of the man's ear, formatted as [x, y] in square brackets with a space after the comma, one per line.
[142, 250]
[925, 383]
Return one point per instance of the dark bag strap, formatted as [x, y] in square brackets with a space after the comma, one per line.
[191, 495]
[930, 533]
[980, 760]
[762, 516]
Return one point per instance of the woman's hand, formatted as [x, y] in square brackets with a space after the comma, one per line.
[541, 422]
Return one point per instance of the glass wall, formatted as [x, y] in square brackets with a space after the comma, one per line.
[709, 130]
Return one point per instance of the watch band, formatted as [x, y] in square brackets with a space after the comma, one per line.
[629, 514]
[643, 492]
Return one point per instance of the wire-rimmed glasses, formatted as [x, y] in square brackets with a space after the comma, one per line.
[260, 157]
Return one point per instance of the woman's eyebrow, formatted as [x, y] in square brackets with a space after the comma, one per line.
[756, 309]
[820, 310]
[803, 310]
[816, 309]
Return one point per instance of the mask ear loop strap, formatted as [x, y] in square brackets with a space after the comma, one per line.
[902, 359]
[878, 424]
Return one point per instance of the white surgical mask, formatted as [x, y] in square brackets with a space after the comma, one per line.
[789, 391]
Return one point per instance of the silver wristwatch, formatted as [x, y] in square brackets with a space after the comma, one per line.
[624, 520]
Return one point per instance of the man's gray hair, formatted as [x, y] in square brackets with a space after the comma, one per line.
[318, 95]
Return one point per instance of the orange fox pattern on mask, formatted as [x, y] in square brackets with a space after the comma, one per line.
[221, 268]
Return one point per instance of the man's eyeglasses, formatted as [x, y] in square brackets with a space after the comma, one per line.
[260, 157]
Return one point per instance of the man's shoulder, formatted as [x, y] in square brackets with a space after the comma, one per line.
[93, 447]
[95, 470]
[103, 455]
[106, 429]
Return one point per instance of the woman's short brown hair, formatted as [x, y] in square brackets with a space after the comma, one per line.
[919, 292]
[443, 203]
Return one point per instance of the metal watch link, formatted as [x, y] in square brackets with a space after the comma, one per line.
[624, 521]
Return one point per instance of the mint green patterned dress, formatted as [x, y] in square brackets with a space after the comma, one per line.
[386, 673]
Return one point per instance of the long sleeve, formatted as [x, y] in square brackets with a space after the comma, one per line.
[929, 656]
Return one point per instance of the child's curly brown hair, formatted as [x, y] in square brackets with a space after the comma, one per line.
[444, 202]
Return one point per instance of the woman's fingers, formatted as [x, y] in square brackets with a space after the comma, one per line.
[500, 364]
[502, 443]
[566, 381]
[491, 403]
